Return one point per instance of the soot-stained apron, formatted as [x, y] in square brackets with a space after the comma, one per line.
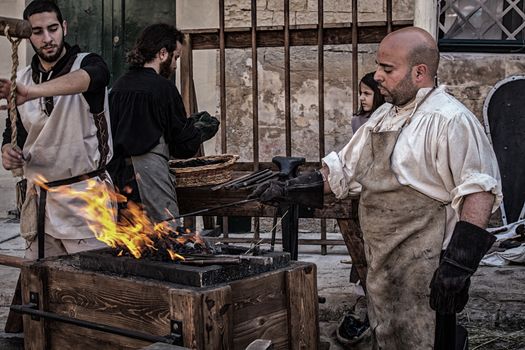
[403, 232]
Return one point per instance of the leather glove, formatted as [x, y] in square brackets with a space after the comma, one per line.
[206, 124]
[451, 281]
[305, 190]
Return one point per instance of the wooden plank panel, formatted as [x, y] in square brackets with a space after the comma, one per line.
[264, 295]
[270, 326]
[120, 303]
[185, 306]
[303, 313]
[34, 280]
[217, 314]
[240, 38]
[65, 336]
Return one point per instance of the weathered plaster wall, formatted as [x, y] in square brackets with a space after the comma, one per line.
[304, 99]
[470, 76]
[304, 82]
[8, 8]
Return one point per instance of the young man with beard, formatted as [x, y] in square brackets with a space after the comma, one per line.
[63, 131]
[149, 123]
[428, 181]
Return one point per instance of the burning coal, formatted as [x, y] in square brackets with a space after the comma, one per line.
[130, 231]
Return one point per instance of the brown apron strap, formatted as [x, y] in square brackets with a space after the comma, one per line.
[102, 137]
[41, 222]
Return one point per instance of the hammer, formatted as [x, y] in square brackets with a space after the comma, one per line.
[17, 27]
[288, 167]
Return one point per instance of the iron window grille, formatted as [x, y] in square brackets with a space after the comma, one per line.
[481, 25]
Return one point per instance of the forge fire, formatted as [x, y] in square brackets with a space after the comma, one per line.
[129, 231]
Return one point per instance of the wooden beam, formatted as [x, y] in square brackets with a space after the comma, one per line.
[305, 241]
[13, 261]
[17, 27]
[300, 35]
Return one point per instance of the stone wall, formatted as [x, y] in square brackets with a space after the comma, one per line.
[304, 82]
[471, 76]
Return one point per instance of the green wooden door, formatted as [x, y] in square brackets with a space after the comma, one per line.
[110, 27]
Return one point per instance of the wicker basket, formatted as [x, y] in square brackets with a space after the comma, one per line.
[204, 175]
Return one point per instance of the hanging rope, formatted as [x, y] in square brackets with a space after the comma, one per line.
[12, 94]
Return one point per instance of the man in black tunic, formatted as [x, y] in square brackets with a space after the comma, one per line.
[149, 123]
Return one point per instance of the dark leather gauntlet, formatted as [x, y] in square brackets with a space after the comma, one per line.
[451, 281]
[306, 189]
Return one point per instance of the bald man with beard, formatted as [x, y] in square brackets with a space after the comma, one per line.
[428, 182]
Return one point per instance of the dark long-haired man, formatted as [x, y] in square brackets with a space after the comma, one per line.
[149, 123]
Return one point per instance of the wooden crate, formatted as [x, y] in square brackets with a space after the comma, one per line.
[280, 305]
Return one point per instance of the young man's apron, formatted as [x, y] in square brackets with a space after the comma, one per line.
[403, 232]
[66, 146]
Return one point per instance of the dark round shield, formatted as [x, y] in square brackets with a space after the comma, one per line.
[504, 115]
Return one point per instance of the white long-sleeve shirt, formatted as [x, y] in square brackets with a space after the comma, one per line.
[443, 153]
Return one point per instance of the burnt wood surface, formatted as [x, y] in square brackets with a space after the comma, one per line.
[197, 276]
[299, 35]
[34, 279]
[303, 313]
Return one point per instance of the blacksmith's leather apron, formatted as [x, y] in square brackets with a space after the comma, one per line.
[403, 232]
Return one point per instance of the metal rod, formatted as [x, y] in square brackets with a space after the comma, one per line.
[277, 241]
[29, 309]
[388, 16]
[287, 98]
[255, 99]
[206, 262]
[260, 175]
[246, 178]
[260, 181]
[320, 64]
[222, 77]
[354, 57]
[255, 88]
[232, 181]
[323, 236]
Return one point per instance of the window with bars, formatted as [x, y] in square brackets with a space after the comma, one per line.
[482, 25]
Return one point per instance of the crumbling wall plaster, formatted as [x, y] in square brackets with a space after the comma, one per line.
[471, 76]
[304, 99]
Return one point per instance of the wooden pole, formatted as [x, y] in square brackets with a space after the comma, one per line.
[425, 16]
[17, 27]
[13, 261]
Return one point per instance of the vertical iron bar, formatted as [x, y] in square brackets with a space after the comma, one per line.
[354, 56]
[255, 101]
[255, 88]
[320, 67]
[388, 16]
[287, 100]
[222, 74]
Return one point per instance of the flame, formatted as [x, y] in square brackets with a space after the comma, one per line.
[175, 256]
[133, 229]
